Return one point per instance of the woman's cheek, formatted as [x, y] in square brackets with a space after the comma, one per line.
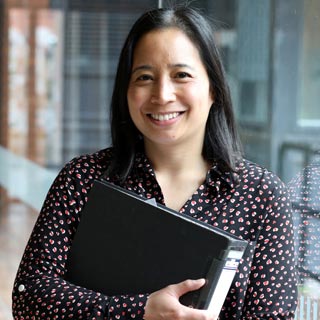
[137, 97]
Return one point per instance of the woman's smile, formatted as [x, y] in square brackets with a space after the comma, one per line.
[165, 119]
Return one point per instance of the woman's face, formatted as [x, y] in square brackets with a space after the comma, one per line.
[169, 95]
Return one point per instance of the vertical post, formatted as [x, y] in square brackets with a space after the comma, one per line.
[4, 73]
[3, 92]
[32, 139]
[159, 3]
[31, 86]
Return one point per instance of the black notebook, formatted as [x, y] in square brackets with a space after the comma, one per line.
[126, 244]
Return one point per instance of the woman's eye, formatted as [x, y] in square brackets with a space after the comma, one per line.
[182, 75]
[144, 77]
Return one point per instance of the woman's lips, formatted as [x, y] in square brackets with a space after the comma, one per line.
[164, 116]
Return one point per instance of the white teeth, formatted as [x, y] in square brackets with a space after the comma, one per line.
[167, 116]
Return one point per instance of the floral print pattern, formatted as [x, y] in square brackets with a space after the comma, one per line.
[252, 204]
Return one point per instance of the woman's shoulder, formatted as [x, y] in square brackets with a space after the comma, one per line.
[258, 175]
[91, 165]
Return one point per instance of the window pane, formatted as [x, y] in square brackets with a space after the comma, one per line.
[309, 113]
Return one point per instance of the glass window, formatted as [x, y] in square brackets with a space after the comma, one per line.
[57, 64]
[309, 111]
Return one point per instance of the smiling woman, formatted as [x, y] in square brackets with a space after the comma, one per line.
[170, 99]
[169, 102]
[58, 60]
[174, 139]
[185, 77]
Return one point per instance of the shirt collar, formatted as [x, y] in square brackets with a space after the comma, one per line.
[216, 174]
[143, 165]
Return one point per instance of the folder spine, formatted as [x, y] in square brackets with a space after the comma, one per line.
[218, 293]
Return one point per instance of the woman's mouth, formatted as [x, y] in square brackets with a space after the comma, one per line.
[164, 116]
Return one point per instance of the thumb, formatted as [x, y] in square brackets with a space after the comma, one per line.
[183, 287]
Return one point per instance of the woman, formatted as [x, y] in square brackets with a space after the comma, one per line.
[174, 139]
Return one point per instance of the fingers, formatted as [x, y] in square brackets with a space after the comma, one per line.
[164, 304]
[192, 314]
[183, 287]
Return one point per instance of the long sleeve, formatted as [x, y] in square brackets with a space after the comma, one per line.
[40, 291]
[255, 206]
[272, 286]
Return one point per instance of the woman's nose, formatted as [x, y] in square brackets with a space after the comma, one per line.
[163, 92]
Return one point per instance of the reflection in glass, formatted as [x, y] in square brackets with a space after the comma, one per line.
[305, 195]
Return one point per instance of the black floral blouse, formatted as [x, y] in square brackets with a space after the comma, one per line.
[252, 204]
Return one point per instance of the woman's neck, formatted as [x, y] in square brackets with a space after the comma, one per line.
[172, 160]
[178, 171]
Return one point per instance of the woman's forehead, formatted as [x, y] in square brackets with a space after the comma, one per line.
[170, 45]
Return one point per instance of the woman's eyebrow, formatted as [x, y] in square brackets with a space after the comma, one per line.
[181, 65]
[173, 65]
[142, 67]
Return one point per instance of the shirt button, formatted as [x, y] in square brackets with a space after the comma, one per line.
[21, 288]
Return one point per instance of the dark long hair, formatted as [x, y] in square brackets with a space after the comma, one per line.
[221, 142]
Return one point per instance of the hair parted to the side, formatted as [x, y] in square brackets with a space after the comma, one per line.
[221, 141]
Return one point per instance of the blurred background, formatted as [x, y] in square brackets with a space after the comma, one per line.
[57, 64]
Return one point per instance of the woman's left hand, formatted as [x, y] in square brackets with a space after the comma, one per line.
[165, 305]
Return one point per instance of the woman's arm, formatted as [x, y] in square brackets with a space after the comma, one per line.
[272, 289]
[40, 291]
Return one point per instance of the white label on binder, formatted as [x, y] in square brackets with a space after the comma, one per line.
[225, 281]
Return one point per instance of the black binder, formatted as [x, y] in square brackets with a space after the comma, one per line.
[126, 244]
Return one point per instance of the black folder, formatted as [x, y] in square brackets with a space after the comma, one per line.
[126, 244]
